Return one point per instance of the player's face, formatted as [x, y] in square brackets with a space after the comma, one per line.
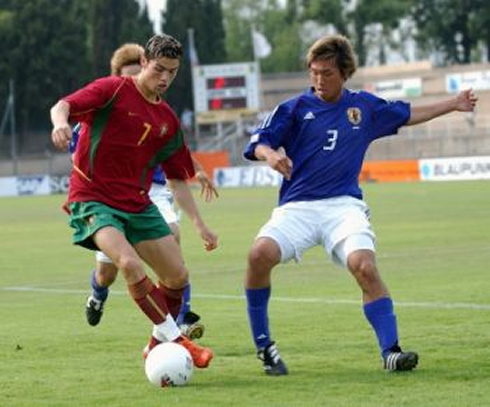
[158, 74]
[326, 79]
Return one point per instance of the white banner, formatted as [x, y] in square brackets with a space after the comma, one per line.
[8, 186]
[253, 176]
[396, 89]
[34, 185]
[476, 80]
[455, 169]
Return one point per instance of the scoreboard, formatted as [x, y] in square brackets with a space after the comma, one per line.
[226, 87]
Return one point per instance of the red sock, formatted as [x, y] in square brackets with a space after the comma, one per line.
[150, 300]
[173, 298]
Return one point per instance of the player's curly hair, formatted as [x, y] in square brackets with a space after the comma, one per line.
[335, 47]
[126, 54]
[163, 45]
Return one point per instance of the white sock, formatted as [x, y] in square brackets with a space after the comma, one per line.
[167, 331]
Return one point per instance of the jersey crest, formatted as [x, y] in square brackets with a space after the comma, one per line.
[163, 130]
[354, 115]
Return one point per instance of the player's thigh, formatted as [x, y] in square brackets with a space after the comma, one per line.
[115, 245]
[163, 255]
[292, 228]
[345, 228]
[354, 249]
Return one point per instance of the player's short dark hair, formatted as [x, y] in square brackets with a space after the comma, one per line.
[163, 45]
[335, 47]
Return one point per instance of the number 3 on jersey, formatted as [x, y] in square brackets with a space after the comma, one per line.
[331, 140]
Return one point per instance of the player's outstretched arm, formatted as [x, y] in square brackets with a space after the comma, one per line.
[465, 101]
[208, 190]
[183, 196]
[61, 133]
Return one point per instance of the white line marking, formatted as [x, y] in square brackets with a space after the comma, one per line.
[330, 301]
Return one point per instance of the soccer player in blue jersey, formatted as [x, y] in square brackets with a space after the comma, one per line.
[317, 141]
[126, 61]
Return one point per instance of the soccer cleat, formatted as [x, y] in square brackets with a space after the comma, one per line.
[190, 326]
[94, 310]
[397, 360]
[150, 345]
[273, 364]
[201, 356]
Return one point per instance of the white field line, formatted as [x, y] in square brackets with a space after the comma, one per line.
[329, 301]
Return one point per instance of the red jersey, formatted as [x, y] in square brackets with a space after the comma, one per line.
[123, 138]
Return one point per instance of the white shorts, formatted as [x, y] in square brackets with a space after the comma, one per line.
[162, 197]
[341, 225]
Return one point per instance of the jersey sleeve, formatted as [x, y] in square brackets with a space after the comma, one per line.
[275, 127]
[387, 115]
[179, 165]
[93, 96]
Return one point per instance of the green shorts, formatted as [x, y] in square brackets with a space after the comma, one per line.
[88, 217]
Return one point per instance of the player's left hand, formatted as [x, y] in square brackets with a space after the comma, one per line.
[210, 238]
[208, 190]
[466, 101]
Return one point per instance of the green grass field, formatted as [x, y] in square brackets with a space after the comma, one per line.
[433, 252]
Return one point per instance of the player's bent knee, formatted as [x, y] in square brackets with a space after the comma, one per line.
[129, 264]
[264, 254]
[366, 274]
[177, 282]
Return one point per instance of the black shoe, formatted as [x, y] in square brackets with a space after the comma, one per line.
[397, 360]
[273, 364]
[190, 326]
[94, 310]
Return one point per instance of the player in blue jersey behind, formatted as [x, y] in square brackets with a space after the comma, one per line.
[317, 141]
[126, 61]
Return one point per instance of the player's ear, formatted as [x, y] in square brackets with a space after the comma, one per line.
[144, 61]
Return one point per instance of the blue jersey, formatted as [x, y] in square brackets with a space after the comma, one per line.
[326, 141]
[75, 133]
[158, 176]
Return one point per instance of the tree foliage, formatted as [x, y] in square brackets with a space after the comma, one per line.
[48, 56]
[279, 25]
[452, 27]
[205, 18]
[114, 22]
[54, 48]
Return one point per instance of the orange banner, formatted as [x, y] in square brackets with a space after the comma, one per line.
[211, 160]
[390, 171]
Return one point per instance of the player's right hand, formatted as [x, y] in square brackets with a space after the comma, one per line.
[280, 162]
[61, 136]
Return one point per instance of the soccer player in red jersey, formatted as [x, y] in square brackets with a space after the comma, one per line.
[127, 131]
[126, 61]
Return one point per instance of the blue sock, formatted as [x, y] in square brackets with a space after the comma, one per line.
[98, 292]
[382, 318]
[257, 303]
[186, 303]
